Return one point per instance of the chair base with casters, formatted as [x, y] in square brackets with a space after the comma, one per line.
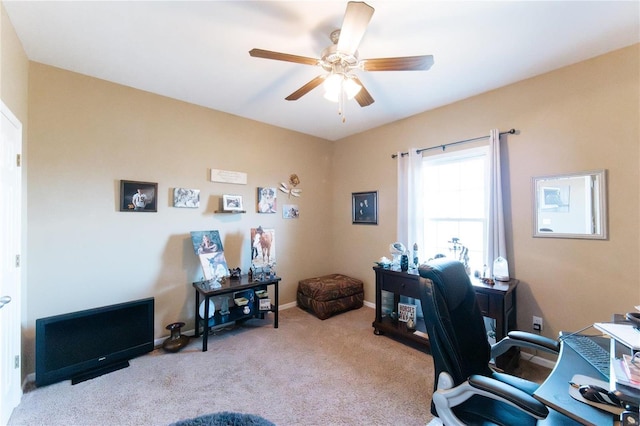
[467, 390]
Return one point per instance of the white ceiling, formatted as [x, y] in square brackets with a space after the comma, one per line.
[198, 51]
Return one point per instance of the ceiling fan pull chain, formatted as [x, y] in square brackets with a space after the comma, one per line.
[341, 101]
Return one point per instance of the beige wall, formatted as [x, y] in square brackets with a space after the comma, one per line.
[582, 117]
[14, 67]
[87, 134]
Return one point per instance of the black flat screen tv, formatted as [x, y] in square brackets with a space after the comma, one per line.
[86, 344]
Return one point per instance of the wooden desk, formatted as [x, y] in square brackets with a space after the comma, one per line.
[496, 301]
[236, 313]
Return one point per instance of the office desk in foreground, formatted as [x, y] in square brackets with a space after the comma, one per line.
[554, 392]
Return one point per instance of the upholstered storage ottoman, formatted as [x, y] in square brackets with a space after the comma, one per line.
[330, 294]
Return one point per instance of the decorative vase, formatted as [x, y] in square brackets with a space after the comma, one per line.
[404, 263]
[411, 325]
[175, 341]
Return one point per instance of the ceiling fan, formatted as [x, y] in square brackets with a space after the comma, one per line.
[341, 58]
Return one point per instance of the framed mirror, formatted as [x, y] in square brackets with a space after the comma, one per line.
[572, 205]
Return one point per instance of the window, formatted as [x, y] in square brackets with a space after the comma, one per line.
[455, 206]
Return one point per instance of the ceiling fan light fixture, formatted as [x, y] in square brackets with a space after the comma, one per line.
[341, 58]
[338, 84]
[351, 87]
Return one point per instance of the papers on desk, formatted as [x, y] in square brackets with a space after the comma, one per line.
[631, 368]
[626, 377]
[623, 333]
[621, 377]
[630, 390]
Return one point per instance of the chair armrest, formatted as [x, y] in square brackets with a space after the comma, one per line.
[510, 395]
[524, 339]
[446, 397]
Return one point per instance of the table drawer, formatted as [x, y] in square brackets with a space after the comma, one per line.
[401, 285]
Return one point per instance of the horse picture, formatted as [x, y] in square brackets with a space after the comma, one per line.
[263, 249]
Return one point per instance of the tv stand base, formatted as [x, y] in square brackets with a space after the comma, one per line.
[96, 372]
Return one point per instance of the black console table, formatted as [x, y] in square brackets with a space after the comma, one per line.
[236, 313]
[400, 284]
[497, 301]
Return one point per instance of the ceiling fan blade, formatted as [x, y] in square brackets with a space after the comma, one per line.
[268, 54]
[354, 25]
[362, 97]
[306, 88]
[407, 63]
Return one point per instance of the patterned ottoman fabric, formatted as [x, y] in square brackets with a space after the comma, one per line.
[330, 294]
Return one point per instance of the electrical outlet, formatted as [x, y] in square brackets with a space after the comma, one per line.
[537, 323]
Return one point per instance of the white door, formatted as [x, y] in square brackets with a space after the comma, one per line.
[10, 234]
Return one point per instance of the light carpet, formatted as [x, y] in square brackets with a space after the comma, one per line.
[306, 372]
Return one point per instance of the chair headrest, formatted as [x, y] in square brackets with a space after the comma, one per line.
[450, 277]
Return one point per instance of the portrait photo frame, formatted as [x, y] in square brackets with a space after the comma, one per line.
[136, 196]
[232, 203]
[364, 208]
[267, 200]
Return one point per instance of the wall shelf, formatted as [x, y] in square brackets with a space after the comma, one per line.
[230, 211]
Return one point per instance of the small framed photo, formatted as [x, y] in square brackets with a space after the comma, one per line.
[265, 305]
[232, 202]
[138, 196]
[290, 211]
[364, 208]
[406, 311]
[267, 200]
[189, 198]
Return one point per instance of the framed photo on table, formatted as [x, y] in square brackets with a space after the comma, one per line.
[232, 202]
[364, 208]
[406, 312]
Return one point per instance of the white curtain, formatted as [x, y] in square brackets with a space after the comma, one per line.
[496, 241]
[410, 214]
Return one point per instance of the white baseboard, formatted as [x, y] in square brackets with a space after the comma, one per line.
[31, 377]
[547, 363]
[287, 306]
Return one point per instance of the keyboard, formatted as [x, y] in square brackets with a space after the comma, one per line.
[593, 353]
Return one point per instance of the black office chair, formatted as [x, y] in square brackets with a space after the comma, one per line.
[466, 390]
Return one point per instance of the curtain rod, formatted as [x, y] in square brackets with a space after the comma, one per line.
[418, 151]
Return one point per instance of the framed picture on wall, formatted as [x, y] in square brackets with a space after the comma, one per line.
[185, 197]
[267, 200]
[138, 196]
[364, 208]
[290, 211]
